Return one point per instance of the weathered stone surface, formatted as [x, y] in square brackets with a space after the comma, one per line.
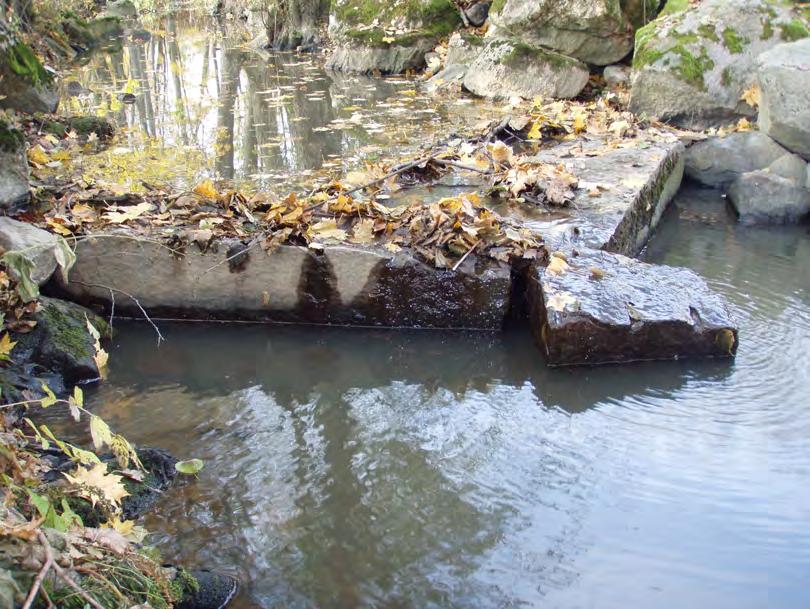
[14, 190]
[694, 62]
[617, 75]
[635, 184]
[607, 308]
[718, 161]
[593, 31]
[344, 285]
[389, 37]
[762, 197]
[37, 244]
[509, 68]
[784, 111]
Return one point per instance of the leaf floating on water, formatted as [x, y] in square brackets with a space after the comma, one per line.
[557, 266]
[192, 467]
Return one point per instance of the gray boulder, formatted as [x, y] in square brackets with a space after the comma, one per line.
[593, 31]
[389, 37]
[762, 197]
[616, 75]
[505, 69]
[26, 85]
[477, 14]
[790, 166]
[695, 61]
[718, 161]
[784, 111]
[14, 189]
[37, 244]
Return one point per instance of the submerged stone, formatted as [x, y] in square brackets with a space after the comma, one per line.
[342, 285]
[763, 197]
[600, 308]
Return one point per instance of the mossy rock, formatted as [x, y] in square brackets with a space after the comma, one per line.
[390, 37]
[26, 84]
[11, 140]
[101, 33]
[61, 342]
[694, 62]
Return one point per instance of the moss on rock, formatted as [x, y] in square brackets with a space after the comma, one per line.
[21, 60]
[10, 138]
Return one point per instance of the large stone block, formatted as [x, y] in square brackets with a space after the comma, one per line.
[341, 285]
[604, 308]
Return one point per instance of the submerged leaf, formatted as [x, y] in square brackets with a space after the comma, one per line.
[190, 467]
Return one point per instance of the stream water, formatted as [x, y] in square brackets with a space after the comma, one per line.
[357, 468]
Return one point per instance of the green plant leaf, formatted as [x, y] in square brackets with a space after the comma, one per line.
[65, 257]
[21, 266]
[190, 467]
[50, 397]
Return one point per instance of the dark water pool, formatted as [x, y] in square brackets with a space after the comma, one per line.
[356, 468]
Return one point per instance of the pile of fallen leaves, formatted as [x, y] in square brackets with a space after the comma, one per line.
[442, 232]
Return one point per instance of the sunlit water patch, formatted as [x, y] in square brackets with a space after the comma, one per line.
[194, 101]
[354, 468]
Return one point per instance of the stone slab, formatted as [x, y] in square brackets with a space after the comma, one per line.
[608, 308]
[341, 285]
[634, 183]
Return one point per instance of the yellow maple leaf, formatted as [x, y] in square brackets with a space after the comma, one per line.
[38, 156]
[580, 124]
[206, 189]
[96, 483]
[536, 132]
[6, 345]
[363, 232]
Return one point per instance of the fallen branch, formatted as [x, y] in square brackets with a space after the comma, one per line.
[461, 166]
[131, 297]
[35, 586]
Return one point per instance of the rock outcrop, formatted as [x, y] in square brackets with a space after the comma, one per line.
[784, 111]
[387, 37]
[14, 190]
[509, 68]
[693, 64]
[592, 31]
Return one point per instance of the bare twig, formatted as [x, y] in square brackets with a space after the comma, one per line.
[137, 302]
[32, 593]
[461, 166]
[464, 257]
